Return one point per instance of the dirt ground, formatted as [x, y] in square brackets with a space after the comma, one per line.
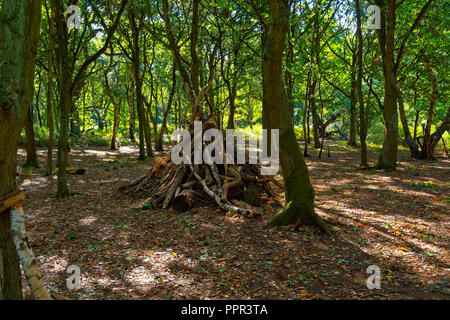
[398, 221]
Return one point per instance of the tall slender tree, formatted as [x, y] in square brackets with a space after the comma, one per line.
[276, 115]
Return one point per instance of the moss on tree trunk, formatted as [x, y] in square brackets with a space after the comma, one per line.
[299, 190]
[19, 37]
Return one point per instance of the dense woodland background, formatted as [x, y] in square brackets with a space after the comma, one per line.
[351, 96]
[223, 40]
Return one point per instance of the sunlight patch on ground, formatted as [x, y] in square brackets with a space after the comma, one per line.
[88, 221]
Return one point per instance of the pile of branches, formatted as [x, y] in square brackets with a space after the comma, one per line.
[233, 188]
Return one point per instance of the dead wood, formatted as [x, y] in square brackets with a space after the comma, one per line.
[11, 200]
[234, 188]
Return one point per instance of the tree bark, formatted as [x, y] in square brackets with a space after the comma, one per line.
[19, 38]
[69, 84]
[50, 124]
[312, 103]
[353, 99]
[427, 149]
[305, 113]
[169, 107]
[299, 190]
[195, 69]
[413, 148]
[386, 39]
[115, 104]
[30, 267]
[138, 81]
[362, 120]
[65, 99]
[32, 159]
[437, 135]
[132, 121]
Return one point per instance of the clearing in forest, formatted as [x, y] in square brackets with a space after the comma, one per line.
[398, 221]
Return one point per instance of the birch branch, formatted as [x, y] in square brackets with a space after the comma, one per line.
[209, 192]
[37, 286]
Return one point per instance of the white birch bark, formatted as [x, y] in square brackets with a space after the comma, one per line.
[37, 286]
[209, 192]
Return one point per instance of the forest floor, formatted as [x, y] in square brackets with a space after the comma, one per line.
[398, 221]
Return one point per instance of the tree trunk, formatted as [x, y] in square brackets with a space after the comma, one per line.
[353, 99]
[132, 121]
[115, 126]
[305, 113]
[19, 38]
[195, 67]
[289, 78]
[362, 120]
[230, 124]
[50, 124]
[63, 142]
[299, 190]
[115, 104]
[416, 123]
[32, 159]
[413, 148]
[75, 121]
[437, 135]
[65, 98]
[38, 94]
[312, 103]
[30, 267]
[169, 106]
[138, 81]
[388, 155]
[427, 149]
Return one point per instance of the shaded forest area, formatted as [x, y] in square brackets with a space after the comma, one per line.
[92, 91]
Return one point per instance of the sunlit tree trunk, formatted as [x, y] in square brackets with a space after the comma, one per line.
[169, 107]
[299, 190]
[353, 99]
[50, 124]
[195, 67]
[132, 121]
[114, 103]
[138, 81]
[362, 120]
[314, 115]
[414, 149]
[388, 155]
[305, 113]
[427, 148]
[65, 97]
